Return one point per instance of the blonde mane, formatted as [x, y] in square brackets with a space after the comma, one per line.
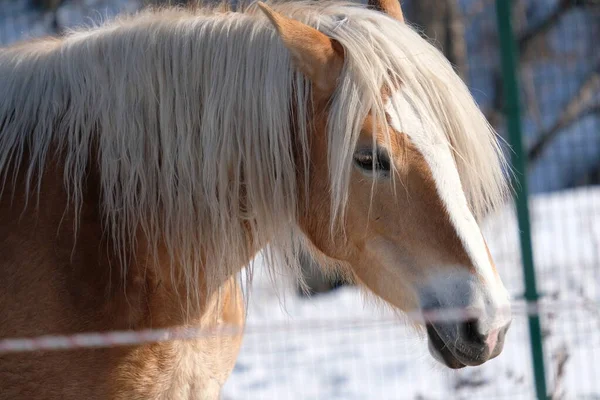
[189, 114]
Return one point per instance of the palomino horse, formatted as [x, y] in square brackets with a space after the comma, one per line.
[145, 162]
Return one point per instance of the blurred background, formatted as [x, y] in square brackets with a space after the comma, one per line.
[335, 345]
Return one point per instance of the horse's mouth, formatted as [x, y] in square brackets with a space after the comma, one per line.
[441, 351]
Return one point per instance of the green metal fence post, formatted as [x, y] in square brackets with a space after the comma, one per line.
[513, 119]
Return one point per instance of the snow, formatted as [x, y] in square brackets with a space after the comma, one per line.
[339, 346]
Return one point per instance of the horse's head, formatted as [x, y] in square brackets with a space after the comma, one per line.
[408, 230]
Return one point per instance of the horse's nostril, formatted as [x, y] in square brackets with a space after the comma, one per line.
[470, 332]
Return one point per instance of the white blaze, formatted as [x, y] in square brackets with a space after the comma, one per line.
[435, 149]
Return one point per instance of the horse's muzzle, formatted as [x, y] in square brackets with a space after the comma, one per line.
[458, 345]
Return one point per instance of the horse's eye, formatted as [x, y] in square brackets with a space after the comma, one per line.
[369, 161]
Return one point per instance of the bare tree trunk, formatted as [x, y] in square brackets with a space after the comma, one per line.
[580, 105]
[49, 5]
[442, 22]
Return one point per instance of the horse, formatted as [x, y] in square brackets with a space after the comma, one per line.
[145, 161]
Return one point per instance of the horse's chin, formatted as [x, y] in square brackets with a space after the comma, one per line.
[440, 351]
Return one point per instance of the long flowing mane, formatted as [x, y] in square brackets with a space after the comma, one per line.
[193, 119]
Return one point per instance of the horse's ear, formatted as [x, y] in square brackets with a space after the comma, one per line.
[390, 7]
[316, 55]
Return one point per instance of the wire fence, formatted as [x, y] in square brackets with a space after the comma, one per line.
[136, 337]
[333, 345]
[558, 71]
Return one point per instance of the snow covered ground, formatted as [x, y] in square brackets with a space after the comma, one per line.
[336, 346]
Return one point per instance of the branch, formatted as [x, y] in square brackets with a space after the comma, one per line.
[526, 40]
[577, 107]
[536, 151]
[528, 37]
